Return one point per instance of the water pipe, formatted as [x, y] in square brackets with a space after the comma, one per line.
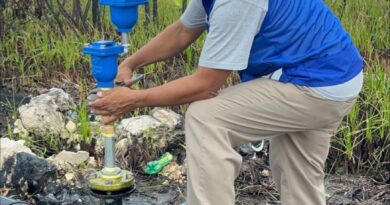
[111, 179]
[125, 42]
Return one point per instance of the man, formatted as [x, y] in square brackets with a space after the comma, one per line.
[298, 108]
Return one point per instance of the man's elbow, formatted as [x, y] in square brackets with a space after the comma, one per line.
[211, 93]
[207, 93]
[210, 81]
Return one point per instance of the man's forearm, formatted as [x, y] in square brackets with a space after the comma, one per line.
[202, 85]
[177, 92]
[166, 44]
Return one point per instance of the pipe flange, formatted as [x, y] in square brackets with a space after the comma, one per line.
[113, 194]
[113, 181]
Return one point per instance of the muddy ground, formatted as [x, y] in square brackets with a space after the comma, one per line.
[253, 186]
[341, 190]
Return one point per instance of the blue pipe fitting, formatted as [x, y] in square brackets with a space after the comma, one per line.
[104, 62]
[124, 13]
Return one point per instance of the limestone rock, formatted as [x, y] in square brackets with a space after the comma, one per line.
[27, 173]
[43, 115]
[174, 172]
[67, 160]
[19, 129]
[77, 147]
[91, 162]
[99, 146]
[137, 125]
[122, 145]
[69, 176]
[71, 126]
[62, 99]
[167, 117]
[265, 173]
[10, 147]
[166, 183]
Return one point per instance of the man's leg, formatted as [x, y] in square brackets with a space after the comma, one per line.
[298, 169]
[243, 113]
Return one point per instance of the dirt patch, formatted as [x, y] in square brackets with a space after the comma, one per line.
[351, 190]
[151, 190]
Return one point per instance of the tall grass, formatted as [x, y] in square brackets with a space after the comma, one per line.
[367, 22]
[37, 51]
[363, 139]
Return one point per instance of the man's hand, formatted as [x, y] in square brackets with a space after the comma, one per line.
[114, 103]
[125, 71]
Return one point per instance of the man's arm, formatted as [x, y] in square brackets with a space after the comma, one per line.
[201, 85]
[166, 44]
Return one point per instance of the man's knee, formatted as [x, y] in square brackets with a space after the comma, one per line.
[199, 111]
[195, 122]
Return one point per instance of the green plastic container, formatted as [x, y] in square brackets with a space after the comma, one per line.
[155, 167]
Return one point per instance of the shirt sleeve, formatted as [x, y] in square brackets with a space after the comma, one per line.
[195, 15]
[233, 26]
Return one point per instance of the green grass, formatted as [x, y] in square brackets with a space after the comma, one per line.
[37, 51]
[367, 21]
[85, 127]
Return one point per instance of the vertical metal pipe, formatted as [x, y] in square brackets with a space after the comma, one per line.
[109, 152]
[125, 42]
[108, 132]
[125, 39]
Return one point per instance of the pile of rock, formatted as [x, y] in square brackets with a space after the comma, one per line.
[54, 114]
[174, 173]
[23, 170]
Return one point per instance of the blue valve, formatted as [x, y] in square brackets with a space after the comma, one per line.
[104, 54]
[104, 62]
[124, 13]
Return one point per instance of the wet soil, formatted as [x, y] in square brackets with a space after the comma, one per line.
[341, 190]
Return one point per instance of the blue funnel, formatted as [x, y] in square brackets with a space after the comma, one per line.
[124, 13]
[104, 62]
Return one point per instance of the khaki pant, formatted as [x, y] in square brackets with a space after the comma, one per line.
[298, 123]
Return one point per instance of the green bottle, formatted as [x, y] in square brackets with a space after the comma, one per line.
[155, 167]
